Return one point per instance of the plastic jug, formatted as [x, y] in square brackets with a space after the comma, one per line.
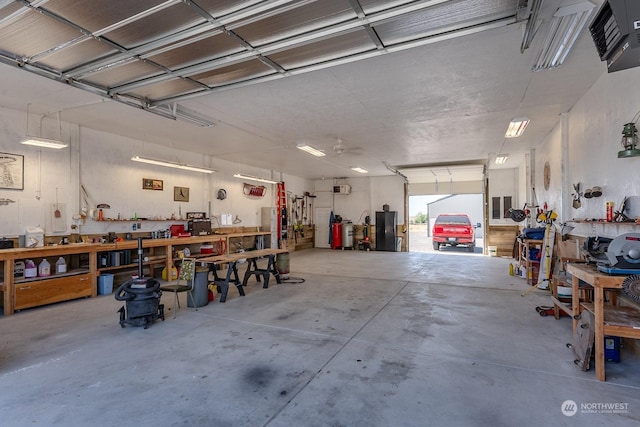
[30, 269]
[61, 266]
[18, 270]
[44, 269]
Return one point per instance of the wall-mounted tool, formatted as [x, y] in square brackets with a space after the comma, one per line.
[576, 196]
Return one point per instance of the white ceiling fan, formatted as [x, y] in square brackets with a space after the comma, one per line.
[341, 148]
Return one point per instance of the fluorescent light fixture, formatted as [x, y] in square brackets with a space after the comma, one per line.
[501, 159]
[193, 117]
[43, 142]
[171, 164]
[255, 178]
[309, 149]
[564, 29]
[516, 127]
[359, 169]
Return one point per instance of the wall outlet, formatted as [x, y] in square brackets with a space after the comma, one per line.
[226, 219]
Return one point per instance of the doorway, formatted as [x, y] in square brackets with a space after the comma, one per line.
[424, 209]
[321, 218]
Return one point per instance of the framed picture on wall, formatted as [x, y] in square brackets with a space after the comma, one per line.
[152, 184]
[180, 194]
[11, 171]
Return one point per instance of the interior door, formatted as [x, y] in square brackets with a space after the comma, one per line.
[321, 219]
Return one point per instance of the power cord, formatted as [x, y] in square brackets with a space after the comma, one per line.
[293, 280]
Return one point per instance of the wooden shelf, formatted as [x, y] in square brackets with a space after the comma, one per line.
[140, 220]
[194, 255]
[130, 266]
[53, 276]
[82, 281]
[532, 267]
[586, 221]
[79, 281]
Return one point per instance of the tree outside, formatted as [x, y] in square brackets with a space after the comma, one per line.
[420, 218]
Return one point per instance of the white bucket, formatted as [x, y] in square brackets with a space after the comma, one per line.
[493, 250]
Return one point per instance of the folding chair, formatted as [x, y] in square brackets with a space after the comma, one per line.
[187, 275]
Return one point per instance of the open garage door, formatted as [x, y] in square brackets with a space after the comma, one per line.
[445, 179]
[441, 189]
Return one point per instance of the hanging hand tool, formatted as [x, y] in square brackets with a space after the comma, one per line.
[57, 213]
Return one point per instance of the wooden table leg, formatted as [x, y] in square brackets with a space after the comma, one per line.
[9, 288]
[598, 308]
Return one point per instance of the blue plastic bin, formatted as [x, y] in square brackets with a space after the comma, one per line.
[105, 284]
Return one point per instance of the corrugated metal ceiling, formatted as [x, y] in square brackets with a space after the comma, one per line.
[153, 53]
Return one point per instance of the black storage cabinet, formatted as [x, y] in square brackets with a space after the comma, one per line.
[386, 231]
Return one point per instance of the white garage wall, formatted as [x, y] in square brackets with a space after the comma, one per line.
[43, 172]
[594, 128]
[368, 195]
[102, 163]
[503, 182]
[550, 153]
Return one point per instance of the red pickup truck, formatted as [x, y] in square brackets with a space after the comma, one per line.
[454, 230]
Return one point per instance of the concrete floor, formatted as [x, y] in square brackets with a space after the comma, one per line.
[369, 339]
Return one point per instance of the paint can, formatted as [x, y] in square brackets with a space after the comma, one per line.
[282, 264]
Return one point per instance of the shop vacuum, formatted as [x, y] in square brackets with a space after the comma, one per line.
[142, 299]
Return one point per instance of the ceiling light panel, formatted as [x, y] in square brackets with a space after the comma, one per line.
[516, 127]
[324, 50]
[44, 142]
[295, 21]
[566, 25]
[311, 150]
[233, 73]
[170, 164]
[255, 178]
[428, 21]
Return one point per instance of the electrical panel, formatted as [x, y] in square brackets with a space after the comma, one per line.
[342, 189]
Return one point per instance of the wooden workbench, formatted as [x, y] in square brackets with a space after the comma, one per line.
[81, 278]
[78, 281]
[609, 319]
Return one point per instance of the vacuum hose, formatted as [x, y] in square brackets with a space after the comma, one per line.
[126, 293]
